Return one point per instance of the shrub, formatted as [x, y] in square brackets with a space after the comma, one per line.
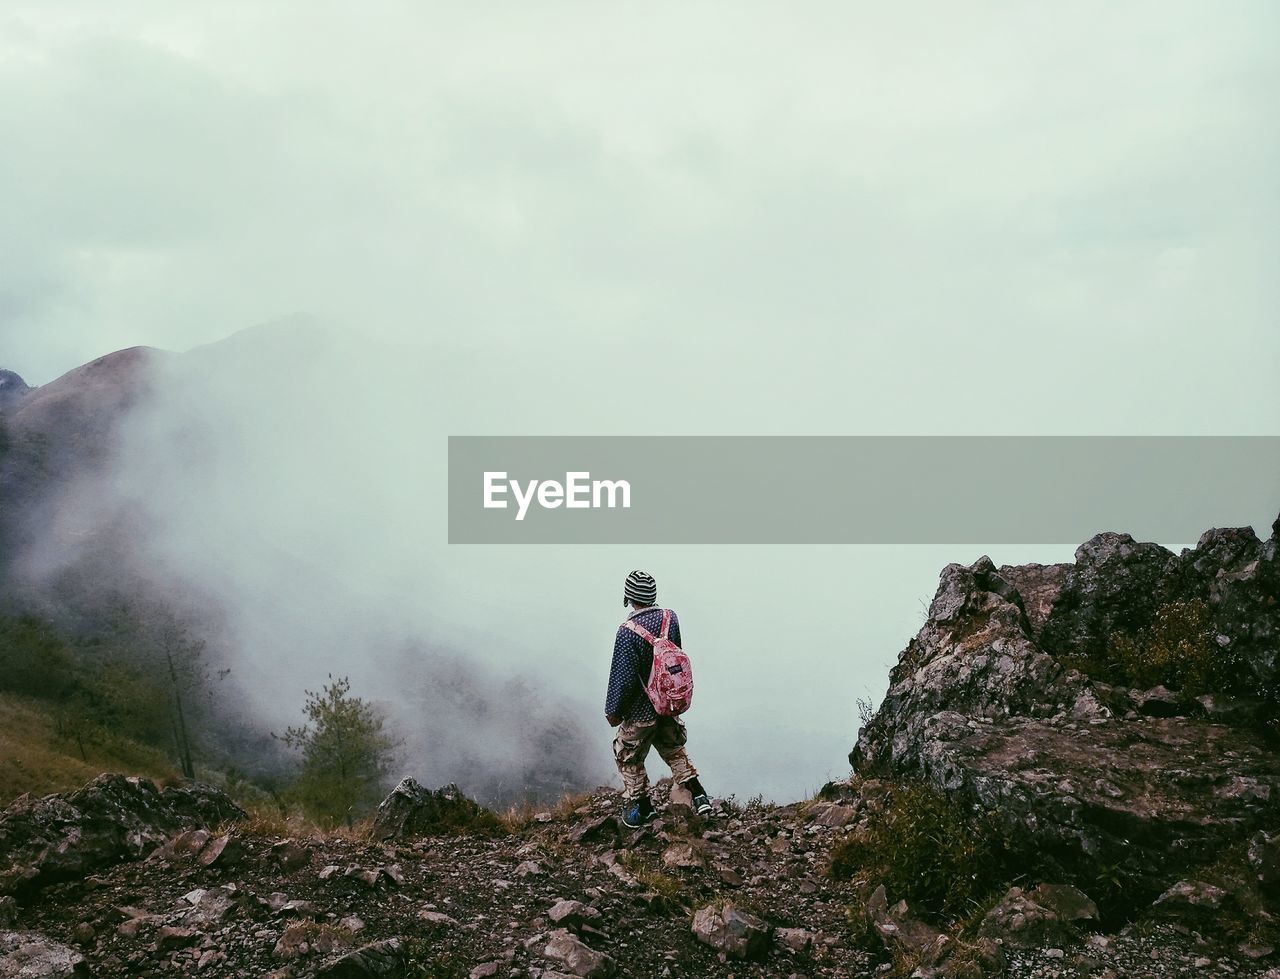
[345, 754]
[1176, 650]
[927, 848]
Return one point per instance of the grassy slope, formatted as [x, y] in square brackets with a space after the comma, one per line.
[33, 759]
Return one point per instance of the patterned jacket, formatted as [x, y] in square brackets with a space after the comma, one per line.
[632, 659]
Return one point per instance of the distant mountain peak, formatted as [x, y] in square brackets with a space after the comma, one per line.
[12, 388]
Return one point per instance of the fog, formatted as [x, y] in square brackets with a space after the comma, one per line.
[983, 218]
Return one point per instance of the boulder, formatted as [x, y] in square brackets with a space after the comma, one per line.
[1243, 594]
[208, 906]
[171, 937]
[602, 829]
[30, 955]
[1046, 916]
[834, 815]
[411, 810]
[111, 819]
[1069, 903]
[437, 919]
[736, 933]
[386, 959]
[571, 914]
[290, 855]
[576, 958]
[1193, 894]
[301, 938]
[798, 940]
[1038, 585]
[1115, 586]
[1159, 701]
[223, 851]
[904, 935]
[973, 658]
[685, 855]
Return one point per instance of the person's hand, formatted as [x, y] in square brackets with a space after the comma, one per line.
[614, 720]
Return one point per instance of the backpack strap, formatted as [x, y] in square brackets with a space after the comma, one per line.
[642, 632]
[639, 630]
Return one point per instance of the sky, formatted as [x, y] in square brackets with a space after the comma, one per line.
[978, 217]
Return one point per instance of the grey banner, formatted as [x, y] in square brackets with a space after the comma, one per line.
[855, 489]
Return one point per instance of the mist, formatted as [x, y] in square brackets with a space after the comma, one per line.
[986, 219]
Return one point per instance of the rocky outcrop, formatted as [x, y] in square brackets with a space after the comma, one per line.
[1117, 585]
[974, 658]
[113, 818]
[1089, 780]
[411, 810]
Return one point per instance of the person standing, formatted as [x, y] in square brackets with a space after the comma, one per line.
[628, 706]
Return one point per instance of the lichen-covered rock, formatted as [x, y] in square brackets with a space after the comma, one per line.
[29, 955]
[736, 933]
[112, 818]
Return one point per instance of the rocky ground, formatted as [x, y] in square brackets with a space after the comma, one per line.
[1142, 825]
[569, 892]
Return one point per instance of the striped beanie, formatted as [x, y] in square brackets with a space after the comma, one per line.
[640, 588]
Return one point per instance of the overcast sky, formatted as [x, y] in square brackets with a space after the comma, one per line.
[671, 218]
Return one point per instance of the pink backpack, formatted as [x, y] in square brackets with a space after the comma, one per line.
[670, 686]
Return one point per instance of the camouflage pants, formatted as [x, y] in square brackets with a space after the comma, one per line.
[631, 746]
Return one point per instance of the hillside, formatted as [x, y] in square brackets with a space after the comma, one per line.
[33, 758]
[1021, 806]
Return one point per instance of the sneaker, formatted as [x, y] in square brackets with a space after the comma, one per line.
[701, 804]
[639, 813]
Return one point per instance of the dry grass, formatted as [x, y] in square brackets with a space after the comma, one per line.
[361, 831]
[521, 816]
[267, 821]
[34, 759]
[651, 877]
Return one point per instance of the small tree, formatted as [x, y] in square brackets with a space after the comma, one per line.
[345, 754]
[156, 642]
